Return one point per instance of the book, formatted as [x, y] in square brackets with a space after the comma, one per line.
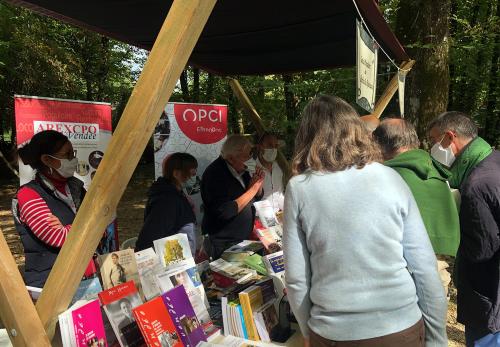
[231, 271]
[173, 251]
[156, 324]
[267, 288]
[118, 303]
[255, 262]
[87, 290]
[119, 267]
[265, 212]
[266, 319]
[271, 238]
[275, 263]
[250, 300]
[247, 246]
[66, 326]
[190, 279]
[88, 325]
[148, 265]
[182, 313]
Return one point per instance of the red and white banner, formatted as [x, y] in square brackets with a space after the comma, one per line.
[197, 129]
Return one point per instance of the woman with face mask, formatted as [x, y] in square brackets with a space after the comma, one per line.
[168, 210]
[45, 207]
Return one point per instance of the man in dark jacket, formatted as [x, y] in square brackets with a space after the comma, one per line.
[475, 171]
[228, 194]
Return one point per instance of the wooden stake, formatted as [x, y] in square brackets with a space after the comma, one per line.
[389, 91]
[257, 122]
[174, 44]
[17, 311]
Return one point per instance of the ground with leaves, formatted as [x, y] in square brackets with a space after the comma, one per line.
[130, 214]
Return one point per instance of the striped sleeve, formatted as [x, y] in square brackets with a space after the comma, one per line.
[33, 211]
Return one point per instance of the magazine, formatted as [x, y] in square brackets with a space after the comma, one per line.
[118, 303]
[182, 313]
[148, 265]
[119, 267]
[173, 251]
[265, 212]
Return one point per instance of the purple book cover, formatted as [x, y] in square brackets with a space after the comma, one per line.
[183, 316]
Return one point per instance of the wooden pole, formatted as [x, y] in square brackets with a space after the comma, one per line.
[257, 122]
[389, 91]
[17, 311]
[174, 44]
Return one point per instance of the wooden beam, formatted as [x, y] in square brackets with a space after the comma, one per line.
[174, 44]
[257, 122]
[389, 91]
[17, 311]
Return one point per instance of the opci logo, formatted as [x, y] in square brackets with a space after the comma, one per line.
[202, 123]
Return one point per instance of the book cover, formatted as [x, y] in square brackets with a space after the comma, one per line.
[266, 319]
[88, 325]
[156, 325]
[271, 238]
[173, 251]
[237, 273]
[275, 263]
[265, 212]
[148, 265]
[88, 290]
[250, 300]
[119, 267]
[255, 262]
[268, 290]
[182, 313]
[118, 303]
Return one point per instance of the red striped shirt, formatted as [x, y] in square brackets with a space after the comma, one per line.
[33, 211]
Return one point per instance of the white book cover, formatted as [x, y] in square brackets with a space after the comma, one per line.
[173, 251]
[148, 265]
[119, 267]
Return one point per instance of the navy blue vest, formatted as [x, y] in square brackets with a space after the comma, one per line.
[39, 256]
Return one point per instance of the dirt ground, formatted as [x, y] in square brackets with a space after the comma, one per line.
[130, 216]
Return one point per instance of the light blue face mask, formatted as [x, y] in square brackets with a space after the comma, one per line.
[189, 183]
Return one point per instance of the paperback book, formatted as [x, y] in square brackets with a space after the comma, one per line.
[265, 212]
[173, 251]
[266, 319]
[148, 265]
[88, 325]
[119, 267]
[87, 290]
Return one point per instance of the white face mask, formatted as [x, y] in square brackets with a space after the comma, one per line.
[190, 183]
[269, 154]
[68, 167]
[443, 155]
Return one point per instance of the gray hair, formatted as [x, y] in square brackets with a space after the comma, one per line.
[394, 134]
[455, 121]
[234, 144]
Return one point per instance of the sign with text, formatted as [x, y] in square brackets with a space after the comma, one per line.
[197, 129]
[86, 124]
[366, 64]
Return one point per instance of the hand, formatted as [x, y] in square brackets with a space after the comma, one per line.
[306, 342]
[257, 179]
[54, 222]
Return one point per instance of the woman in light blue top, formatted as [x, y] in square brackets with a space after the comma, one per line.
[359, 264]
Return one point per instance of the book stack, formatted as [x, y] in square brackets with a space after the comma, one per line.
[226, 274]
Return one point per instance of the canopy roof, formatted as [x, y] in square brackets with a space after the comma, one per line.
[241, 37]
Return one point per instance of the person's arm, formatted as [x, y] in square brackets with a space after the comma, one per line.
[35, 213]
[422, 265]
[297, 263]
[254, 189]
[480, 239]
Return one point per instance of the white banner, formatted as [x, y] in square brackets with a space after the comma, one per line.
[366, 63]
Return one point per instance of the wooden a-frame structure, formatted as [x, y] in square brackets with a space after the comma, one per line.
[28, 325]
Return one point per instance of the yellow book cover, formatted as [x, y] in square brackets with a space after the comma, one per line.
[251, 300]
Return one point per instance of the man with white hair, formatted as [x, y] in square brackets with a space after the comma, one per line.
[228, 192]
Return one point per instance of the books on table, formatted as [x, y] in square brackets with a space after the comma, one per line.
[173, 251]
[266, 318]
[118, 303]
[231, 272]
[251, 299]
[265, 212]
[87, 290]
[275, 263]
[148, 265]
[118, 267]
[271, 238]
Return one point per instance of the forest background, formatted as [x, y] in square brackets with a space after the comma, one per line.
[455, 44]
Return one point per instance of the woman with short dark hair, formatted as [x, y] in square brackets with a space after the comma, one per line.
[360, 269]
[168, 211]
[45, 207]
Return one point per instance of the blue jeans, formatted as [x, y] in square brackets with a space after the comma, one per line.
[471, 336]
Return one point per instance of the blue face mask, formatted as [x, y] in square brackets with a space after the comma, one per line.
[189, 183]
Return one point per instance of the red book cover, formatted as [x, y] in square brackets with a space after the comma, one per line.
[156, 325]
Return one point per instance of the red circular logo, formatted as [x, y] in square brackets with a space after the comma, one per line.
[202, 123]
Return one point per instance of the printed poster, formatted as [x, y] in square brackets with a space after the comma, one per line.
[197, 129]
[366, 64]
[86, 124]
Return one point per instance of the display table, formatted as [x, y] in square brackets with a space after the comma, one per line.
[295, 340]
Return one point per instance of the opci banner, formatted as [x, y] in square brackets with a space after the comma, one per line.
[86, 124]
[197, 129]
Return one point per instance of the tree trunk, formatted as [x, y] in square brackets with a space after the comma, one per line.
[424, 25]
[196, 85]
[210, 88]
[185, 86]
[103, 69]
[289, 97]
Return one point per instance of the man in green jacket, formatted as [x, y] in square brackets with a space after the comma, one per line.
[427, 180]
